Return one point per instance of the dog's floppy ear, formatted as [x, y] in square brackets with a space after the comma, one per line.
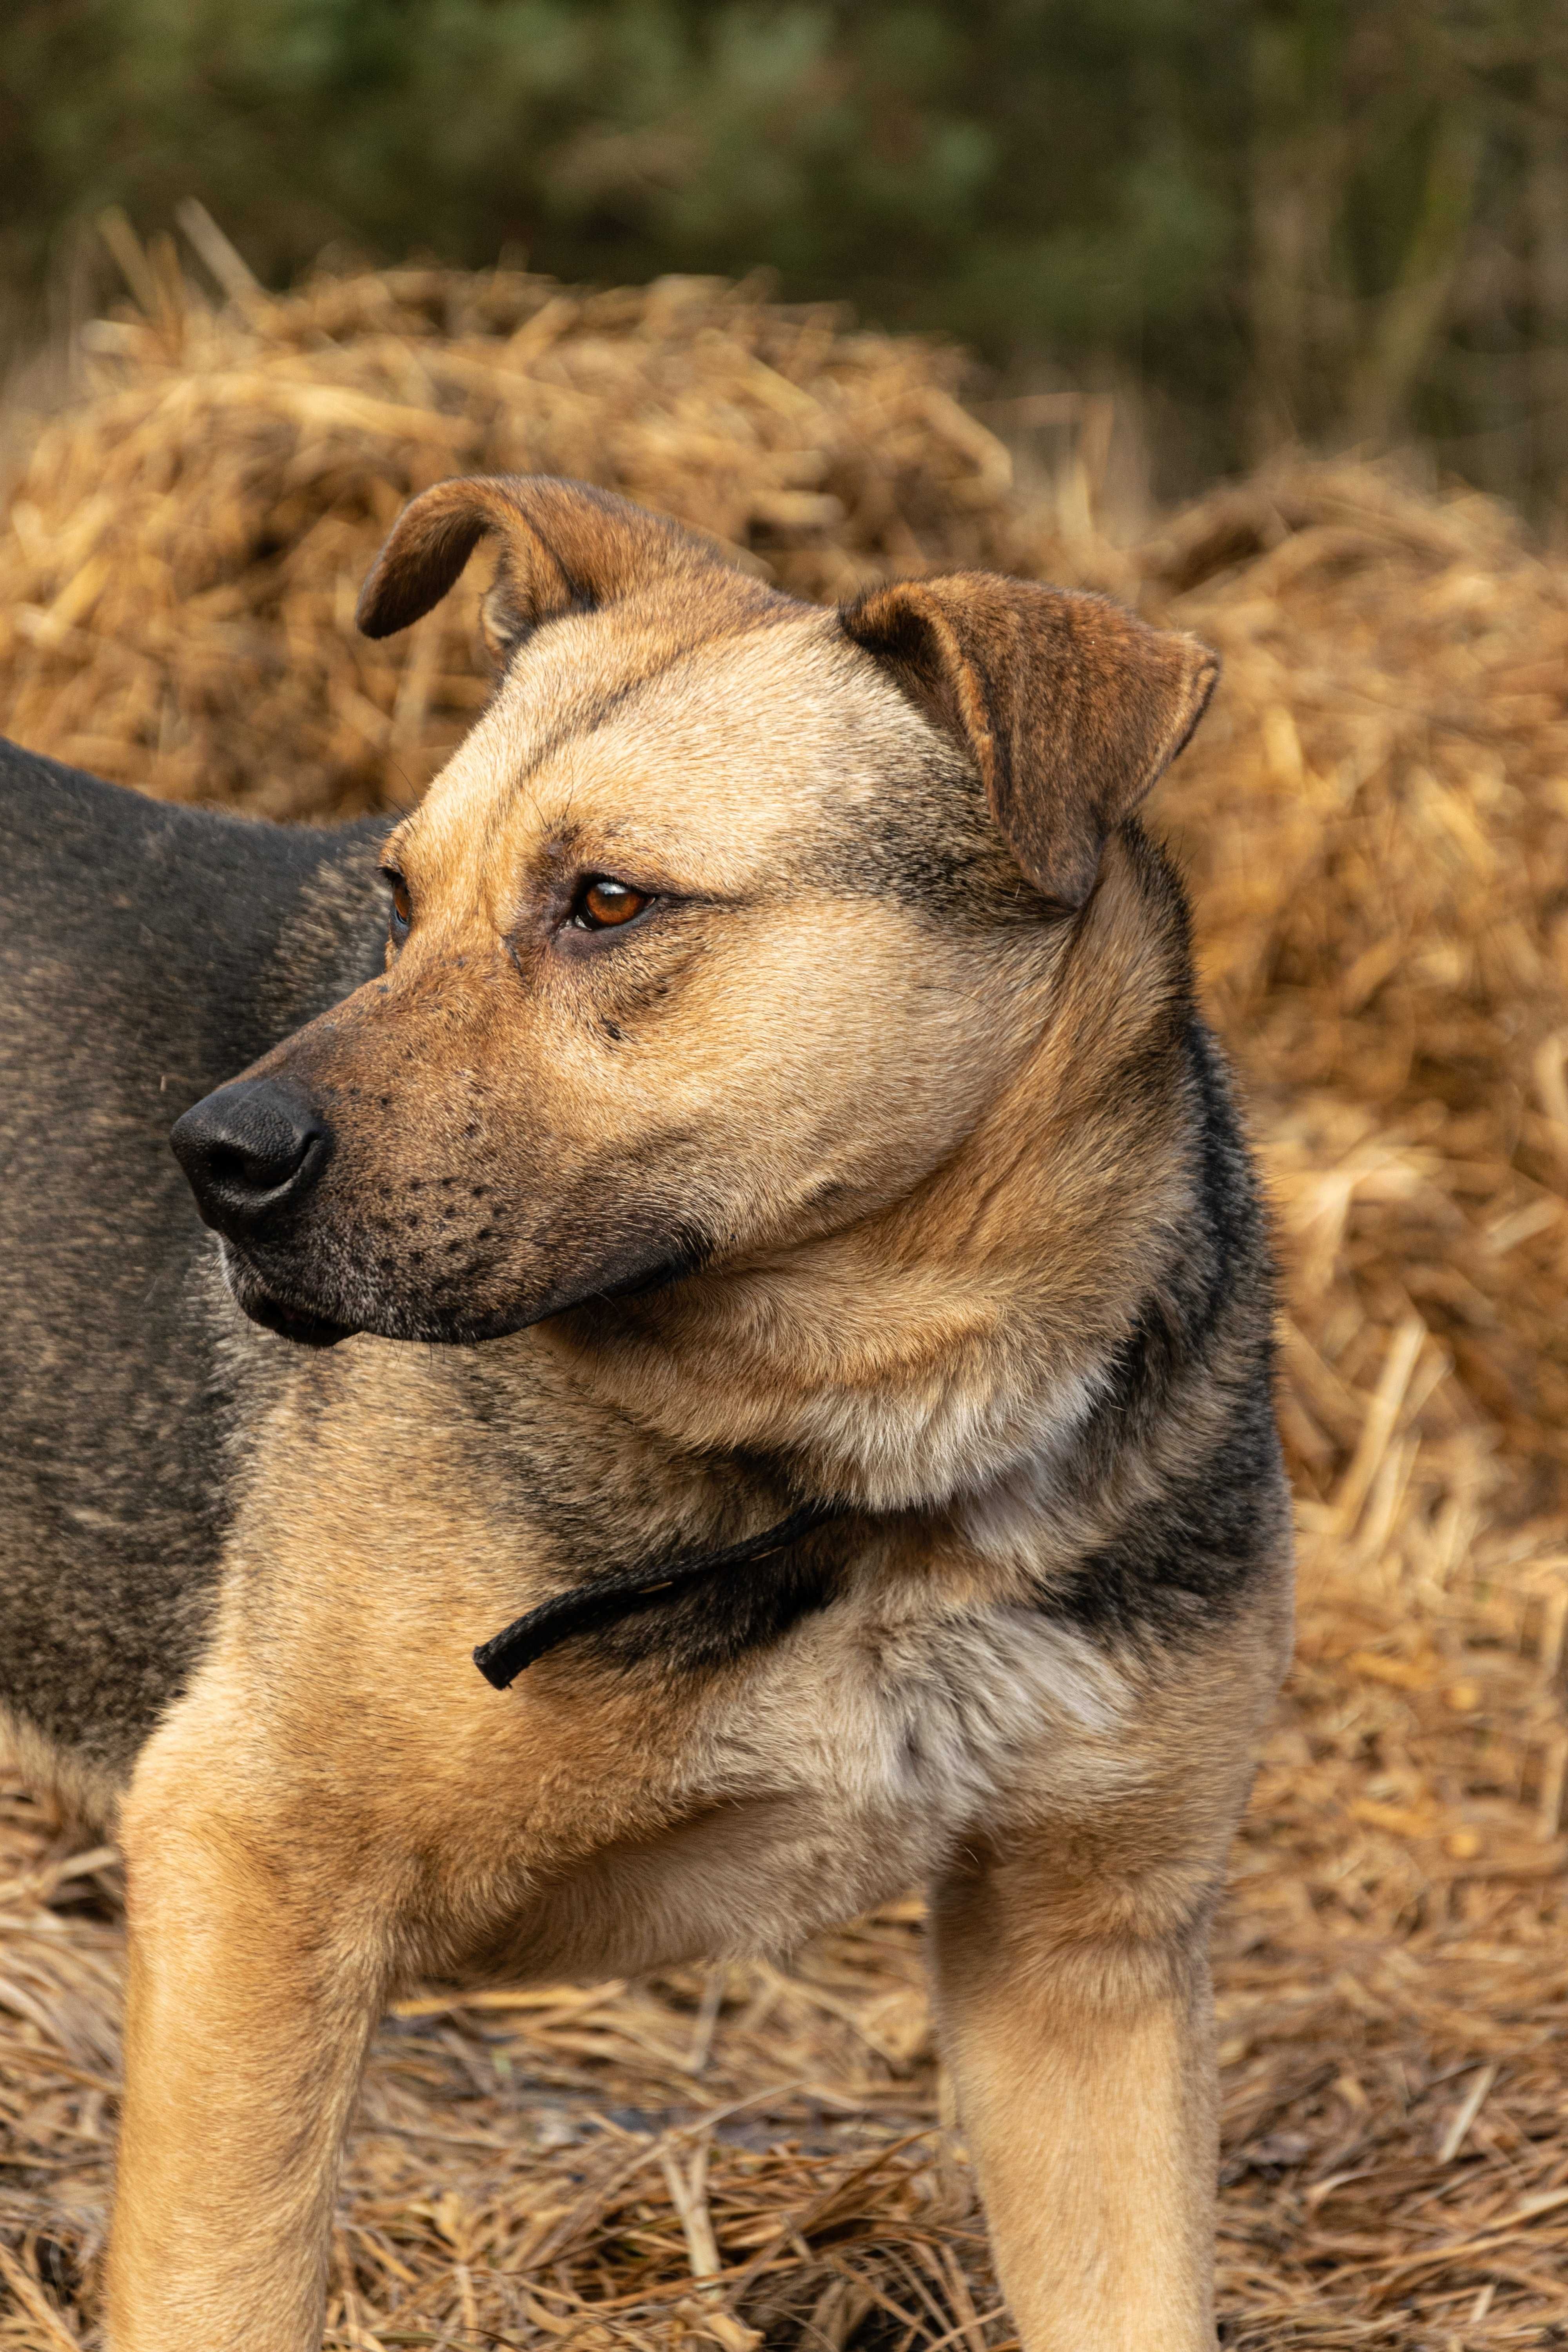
[565, 548]
[1068, 706]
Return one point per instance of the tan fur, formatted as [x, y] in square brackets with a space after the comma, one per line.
[938, 1193]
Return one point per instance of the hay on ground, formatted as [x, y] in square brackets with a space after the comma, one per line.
[1376, 821]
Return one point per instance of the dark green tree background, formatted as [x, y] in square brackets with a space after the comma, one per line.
[1341, 220]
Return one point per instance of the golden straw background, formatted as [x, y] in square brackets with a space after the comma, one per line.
[1374, 819]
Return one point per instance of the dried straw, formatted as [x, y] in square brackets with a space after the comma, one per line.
[178, 577]
[1376, 821]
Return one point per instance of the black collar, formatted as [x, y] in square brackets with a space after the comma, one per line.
[588, 1608]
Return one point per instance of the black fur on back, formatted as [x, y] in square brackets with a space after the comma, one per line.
[147, 953]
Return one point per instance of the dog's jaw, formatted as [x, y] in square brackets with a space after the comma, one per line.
[265, 1303]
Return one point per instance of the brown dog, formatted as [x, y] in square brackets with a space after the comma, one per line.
[785, 1088]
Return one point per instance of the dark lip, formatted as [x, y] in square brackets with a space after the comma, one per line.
[291, 1323]
[301, 1324]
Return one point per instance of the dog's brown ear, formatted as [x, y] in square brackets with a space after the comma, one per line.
[1069, 708]
[565, 548]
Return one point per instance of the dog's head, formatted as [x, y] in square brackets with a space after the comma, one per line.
[719, 932]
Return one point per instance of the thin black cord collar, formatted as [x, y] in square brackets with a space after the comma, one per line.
[588, 1607]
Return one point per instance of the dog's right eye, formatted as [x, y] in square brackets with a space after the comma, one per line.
[605, 905]
[400, 914]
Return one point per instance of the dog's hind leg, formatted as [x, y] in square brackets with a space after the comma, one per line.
[1078, 2025]
[252, 1990]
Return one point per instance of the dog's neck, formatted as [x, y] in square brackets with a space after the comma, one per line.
[930, 1349]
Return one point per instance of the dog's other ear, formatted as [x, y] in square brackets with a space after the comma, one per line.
[1068, 706]
[565, 548]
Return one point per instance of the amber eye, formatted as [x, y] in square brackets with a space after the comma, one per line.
[401, 913]
[602, 904]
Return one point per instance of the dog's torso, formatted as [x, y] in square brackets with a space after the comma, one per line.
[145, 953]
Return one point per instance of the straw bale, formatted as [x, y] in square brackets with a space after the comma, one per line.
[1374, 819]
[182, 552]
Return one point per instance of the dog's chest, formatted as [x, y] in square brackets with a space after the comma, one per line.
[840, 1753]
[849, 1763]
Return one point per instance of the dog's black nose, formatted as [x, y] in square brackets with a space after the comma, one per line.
[250, 1149]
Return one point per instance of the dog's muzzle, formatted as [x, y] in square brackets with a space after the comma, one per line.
[253, 1152]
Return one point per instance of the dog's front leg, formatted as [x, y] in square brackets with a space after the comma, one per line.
[254, 1985]
[1079, 2037]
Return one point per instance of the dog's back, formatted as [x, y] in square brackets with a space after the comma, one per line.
[146, 953]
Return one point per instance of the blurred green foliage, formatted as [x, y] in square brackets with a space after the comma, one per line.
[1331, 218]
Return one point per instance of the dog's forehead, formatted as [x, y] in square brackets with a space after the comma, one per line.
[726, 748]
